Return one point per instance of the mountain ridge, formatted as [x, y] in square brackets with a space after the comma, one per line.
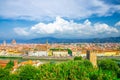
[67, 40]
[64, 40]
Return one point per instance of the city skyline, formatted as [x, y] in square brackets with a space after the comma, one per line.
[62, 19]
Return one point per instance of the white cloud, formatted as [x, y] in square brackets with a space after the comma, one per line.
[69, 29]
[117, 24]
[21, 31]
[41, 9]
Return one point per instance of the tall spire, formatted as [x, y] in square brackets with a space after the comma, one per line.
[47, 41]
[47, 44]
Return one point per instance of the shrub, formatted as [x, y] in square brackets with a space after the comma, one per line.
[9, 65]
[14, 77]
[78, 58]
[28, 72]
[70, 70]
[98, 74]
[108, 64]
[4, 74]
[69, 52]
[118, 73]
[87, 64]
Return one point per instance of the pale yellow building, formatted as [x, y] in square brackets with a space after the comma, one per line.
[110, 53]
[60, 53]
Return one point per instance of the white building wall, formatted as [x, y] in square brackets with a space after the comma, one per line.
[38, 53]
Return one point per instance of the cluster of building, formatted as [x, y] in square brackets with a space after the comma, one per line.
[59, 50]
[16, 65]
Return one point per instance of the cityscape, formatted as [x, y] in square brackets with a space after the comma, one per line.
[58, 49]
[60, 40]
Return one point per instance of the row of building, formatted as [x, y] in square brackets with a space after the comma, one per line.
[59, 50]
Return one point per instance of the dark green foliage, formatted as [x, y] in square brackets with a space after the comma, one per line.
[69, 52]
[70, 70]
[78, 58]
[14, 77]
[108, 65]
[4, 74]
[99, 74]
[87, 64]
[109, 68]
[8, 57]
[9, 65]
[28, 72]
[117, 61]
[52, 62]
[118, 73]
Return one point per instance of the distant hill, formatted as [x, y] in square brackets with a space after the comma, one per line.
[61, 40]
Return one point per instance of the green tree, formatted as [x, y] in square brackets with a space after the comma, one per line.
[118, 73]
[108, 64]
[14, 77]
[70, 70]
[9, 65]
[69, 52]
[4, 74]
[28, 72]
[78, 58]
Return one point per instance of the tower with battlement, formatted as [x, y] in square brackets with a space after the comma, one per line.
[91, 56]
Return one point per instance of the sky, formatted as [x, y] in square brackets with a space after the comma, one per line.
[27, 19]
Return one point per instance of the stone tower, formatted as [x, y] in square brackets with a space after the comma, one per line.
[92, 57]
[47, 45]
